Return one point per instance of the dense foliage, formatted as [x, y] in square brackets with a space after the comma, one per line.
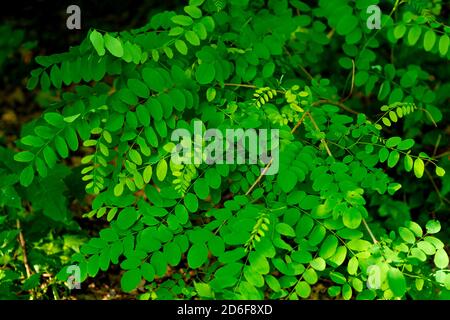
[359, 204]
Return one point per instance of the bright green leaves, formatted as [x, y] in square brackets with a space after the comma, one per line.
[197, 255]
[303, 289]
[161, 169]
[98, 42]
[329, 247]
[113, 45]
[181, 46]
[419, 167]
[441, 259]
[397, 282]
[182, 20]
[193, 11]
[285, 229]
[24, 156]
[147, 174]
[205, 73]
[406, 235]
[429, 40]
[192, 38]
[414, 34]
[444, 42]
[352, 218]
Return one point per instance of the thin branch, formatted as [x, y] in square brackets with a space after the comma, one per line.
[24, 249]
[353, 82]
[317, 128]
[271, 160]
[369, 231]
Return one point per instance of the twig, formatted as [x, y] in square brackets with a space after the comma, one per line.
[369, 231]
[317, 128]
[24, 249]
[271, 160]
[353, 82]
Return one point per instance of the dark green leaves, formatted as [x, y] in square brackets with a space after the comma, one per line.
[138, 88]
[127, 217]
[153, 79]
[197, 255]
[205, 73]
[130, 280]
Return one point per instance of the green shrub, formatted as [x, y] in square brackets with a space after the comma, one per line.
[356, 110]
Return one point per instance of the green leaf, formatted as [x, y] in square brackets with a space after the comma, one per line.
[419, 168]
[444, 41]
[346, 24]
[27, 176]
[408, 162]
[441, 259]
[138, 88]
[148, 272]
[440, 172]
[192, 38]
[414, 34]
[135, 156]
[205, 73]
[433, 226]
[113, 45]
[193, 11]
[383, 154]
[303, 289]
[429, 40]
[197, 255]
[127, 217]
[328, 247]
[191, 202]
[56, 76]
[161, 169]
[180, 45]
[182, 20]
[24, 156]
[130, 280]
[399, 31]
[147, 175]
[97, 42]
[393, 159]
[406, 144]
[406, 235]
[285, 229]
[318, 264]
[352, 218]
[196, 2]
[392, 142]
[153, 79]
[210, 94]
[397, 282]
[118, 189]
[204, 290]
